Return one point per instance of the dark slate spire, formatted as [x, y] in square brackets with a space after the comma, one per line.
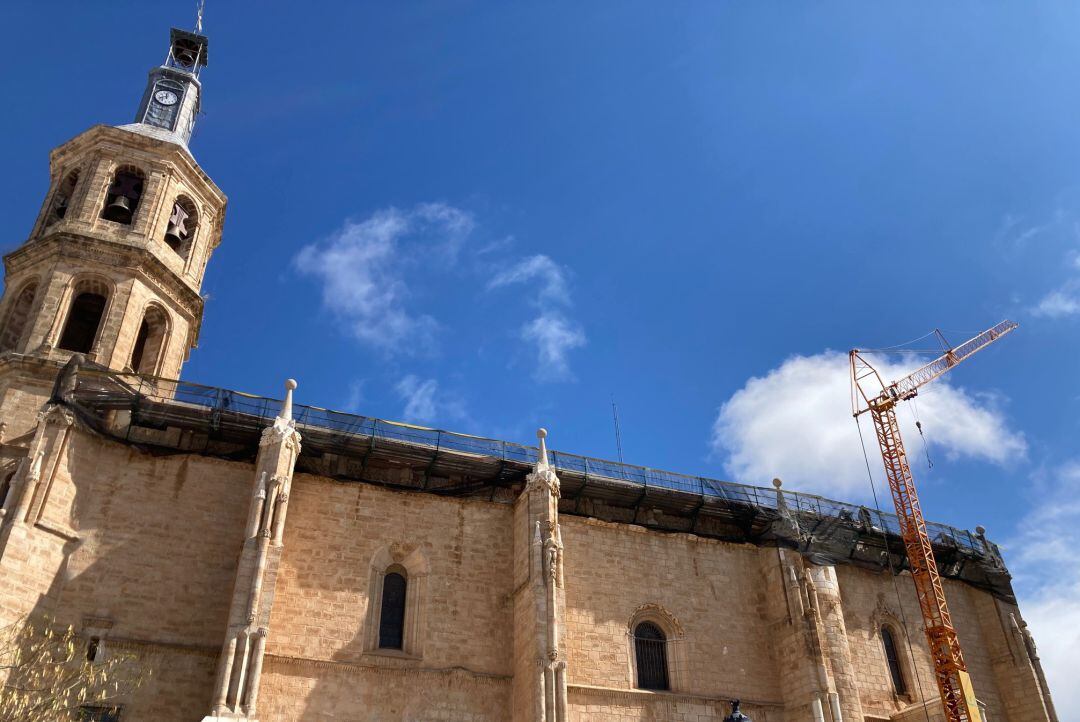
[172, 99]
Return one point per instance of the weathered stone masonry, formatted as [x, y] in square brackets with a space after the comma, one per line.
[254, 572]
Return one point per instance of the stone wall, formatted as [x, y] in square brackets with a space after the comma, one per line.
[138, 550]
[870, 601]
[711, 592]
[321, 639]
[142, 550]
[319, 691]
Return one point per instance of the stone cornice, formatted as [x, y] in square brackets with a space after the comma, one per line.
[168, 151]
[113, 254]
[642, 695]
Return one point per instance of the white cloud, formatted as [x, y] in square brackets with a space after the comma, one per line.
[554, 337]
[1059, 228]
[550, 275]
[1047, 580]
[425, 403]
[553, 334]
[361, 268]
[355, 397]
[1062, 302]
[795, 423]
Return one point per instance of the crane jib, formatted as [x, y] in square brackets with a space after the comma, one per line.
[953, 680]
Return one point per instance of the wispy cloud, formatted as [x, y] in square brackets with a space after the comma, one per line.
[362, 269]
[1065, 300]
[550, 278]
[1059, 303]
[1047, 569]
[355, 396]
[551, 331]
[425, 403]
[554, 337]
[795, 423]
[1053, 231]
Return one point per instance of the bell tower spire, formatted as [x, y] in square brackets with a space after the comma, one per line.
[172, 100]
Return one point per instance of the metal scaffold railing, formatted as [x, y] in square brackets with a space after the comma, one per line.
[224, 408]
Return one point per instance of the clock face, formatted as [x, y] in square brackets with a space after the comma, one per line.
[165, 97]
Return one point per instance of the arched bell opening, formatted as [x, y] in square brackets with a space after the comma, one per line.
[18, 316]
[5, 488]
[183, 223]
[124, 194]
[61, 202]
[150, 342]
[89, 299]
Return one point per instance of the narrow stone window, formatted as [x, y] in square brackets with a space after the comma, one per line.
[93, 647]
[84, 318]
[150, 341]
[63, 197]
[183, 222]
[650, 652]
[392, 616]
[396, 617]
[124, 195]
[18, 316]
[893, 660]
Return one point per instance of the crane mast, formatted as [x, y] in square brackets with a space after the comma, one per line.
[950, 670]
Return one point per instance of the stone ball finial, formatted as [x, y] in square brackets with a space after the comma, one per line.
[980, 530]
[286, 404]
[541, 433]
[777, 483]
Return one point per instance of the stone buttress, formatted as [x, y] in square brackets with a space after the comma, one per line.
[29, 531]
[236, 687]
[808, 633]
[539, 687]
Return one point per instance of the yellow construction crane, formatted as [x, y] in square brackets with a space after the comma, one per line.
[869, 393]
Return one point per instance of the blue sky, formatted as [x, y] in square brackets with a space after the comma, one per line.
[492, 216]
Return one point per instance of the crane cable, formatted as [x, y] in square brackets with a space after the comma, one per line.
[892, 572]
[900, 346]
[918, 425]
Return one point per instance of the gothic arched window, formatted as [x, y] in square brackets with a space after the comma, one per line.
[650, 654]
[892, 657]
[392, 612]
[84, 318]
[124, 195]
[62, 200]
[150, 341]
[183, 221]
[17, 317]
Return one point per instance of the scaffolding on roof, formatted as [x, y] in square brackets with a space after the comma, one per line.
[167, 416]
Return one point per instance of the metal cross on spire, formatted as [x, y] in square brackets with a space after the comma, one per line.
[198, 17]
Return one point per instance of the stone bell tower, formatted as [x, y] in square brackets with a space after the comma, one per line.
[115, 260]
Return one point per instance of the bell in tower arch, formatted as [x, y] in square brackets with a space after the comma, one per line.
[119, 210]
[123, 197]
[177, 232]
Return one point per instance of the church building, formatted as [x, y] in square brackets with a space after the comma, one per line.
[272, 561]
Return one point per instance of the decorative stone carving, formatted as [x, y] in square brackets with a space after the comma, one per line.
[553, 562]
[657, 613]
